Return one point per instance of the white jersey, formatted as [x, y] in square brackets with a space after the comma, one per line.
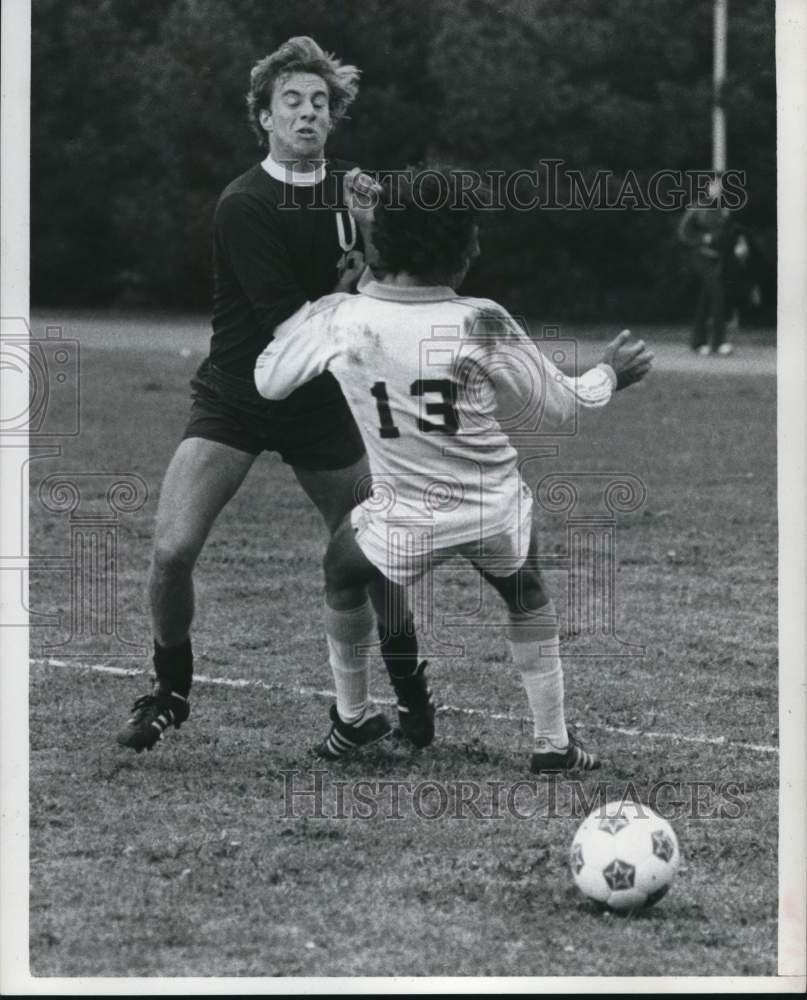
[435, 382]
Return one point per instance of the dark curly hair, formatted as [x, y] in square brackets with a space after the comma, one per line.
[424, 223]
[300, 55]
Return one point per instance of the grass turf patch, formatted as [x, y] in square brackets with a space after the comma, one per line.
[183, 861]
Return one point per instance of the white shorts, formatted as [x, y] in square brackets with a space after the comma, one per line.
[404, 556]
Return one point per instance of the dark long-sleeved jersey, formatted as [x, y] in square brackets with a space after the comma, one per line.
[276, 245]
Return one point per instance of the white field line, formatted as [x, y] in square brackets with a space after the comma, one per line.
[306, 692]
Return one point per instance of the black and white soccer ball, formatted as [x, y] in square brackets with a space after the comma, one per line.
[624, 856]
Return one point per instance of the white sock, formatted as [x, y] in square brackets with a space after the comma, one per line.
[535, 647]
[346, 631]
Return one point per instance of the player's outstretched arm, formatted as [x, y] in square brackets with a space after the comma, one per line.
[630, 360]
[623, 363]
[522, 374]
[302, 348]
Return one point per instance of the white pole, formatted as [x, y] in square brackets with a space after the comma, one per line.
[718, 114]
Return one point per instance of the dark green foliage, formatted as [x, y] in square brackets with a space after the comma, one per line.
[138, 123]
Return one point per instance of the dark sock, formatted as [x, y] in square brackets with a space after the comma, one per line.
[400, 652]
[173, 666]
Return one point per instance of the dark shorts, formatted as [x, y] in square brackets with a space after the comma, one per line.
[313, 429]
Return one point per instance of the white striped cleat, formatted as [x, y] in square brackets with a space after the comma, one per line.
[574, 757]
[345, 738]
[151, 716]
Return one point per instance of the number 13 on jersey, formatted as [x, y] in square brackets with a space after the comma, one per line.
[446, 407]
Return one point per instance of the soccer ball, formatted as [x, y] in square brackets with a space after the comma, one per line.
[624, 856]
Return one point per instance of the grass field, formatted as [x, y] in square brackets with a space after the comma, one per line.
[186, 861]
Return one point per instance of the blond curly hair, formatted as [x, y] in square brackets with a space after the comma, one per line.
[300, 55]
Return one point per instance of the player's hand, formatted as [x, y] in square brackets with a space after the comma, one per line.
[361, 195]
[351, 271]
[630, 360]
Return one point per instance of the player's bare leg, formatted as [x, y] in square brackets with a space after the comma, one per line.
[335, 493]
[533, 637]
[349, 577]
[399, 647]
[350, 630]
[200, 480]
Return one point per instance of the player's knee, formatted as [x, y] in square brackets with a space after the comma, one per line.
[333, 570]
[174, 556]
[344, 587]
[532, 594]
[340, 591]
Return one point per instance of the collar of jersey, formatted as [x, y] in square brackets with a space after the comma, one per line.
[295, 177]
[407, 293]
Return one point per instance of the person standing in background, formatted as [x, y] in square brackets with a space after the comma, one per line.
[707, 230]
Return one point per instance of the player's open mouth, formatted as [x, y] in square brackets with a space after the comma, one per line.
[307, 133]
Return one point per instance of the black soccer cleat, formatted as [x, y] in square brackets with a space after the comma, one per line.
[415, 706]
[151, 716]
[571, 758]
[345, 737]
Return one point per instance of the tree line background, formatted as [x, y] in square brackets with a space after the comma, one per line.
[138, 122]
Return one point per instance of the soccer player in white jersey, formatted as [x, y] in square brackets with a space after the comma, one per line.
[429, 375]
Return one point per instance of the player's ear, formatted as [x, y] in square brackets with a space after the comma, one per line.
[265, 118]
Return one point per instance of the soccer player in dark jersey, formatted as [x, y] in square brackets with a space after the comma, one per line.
[282, 237]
